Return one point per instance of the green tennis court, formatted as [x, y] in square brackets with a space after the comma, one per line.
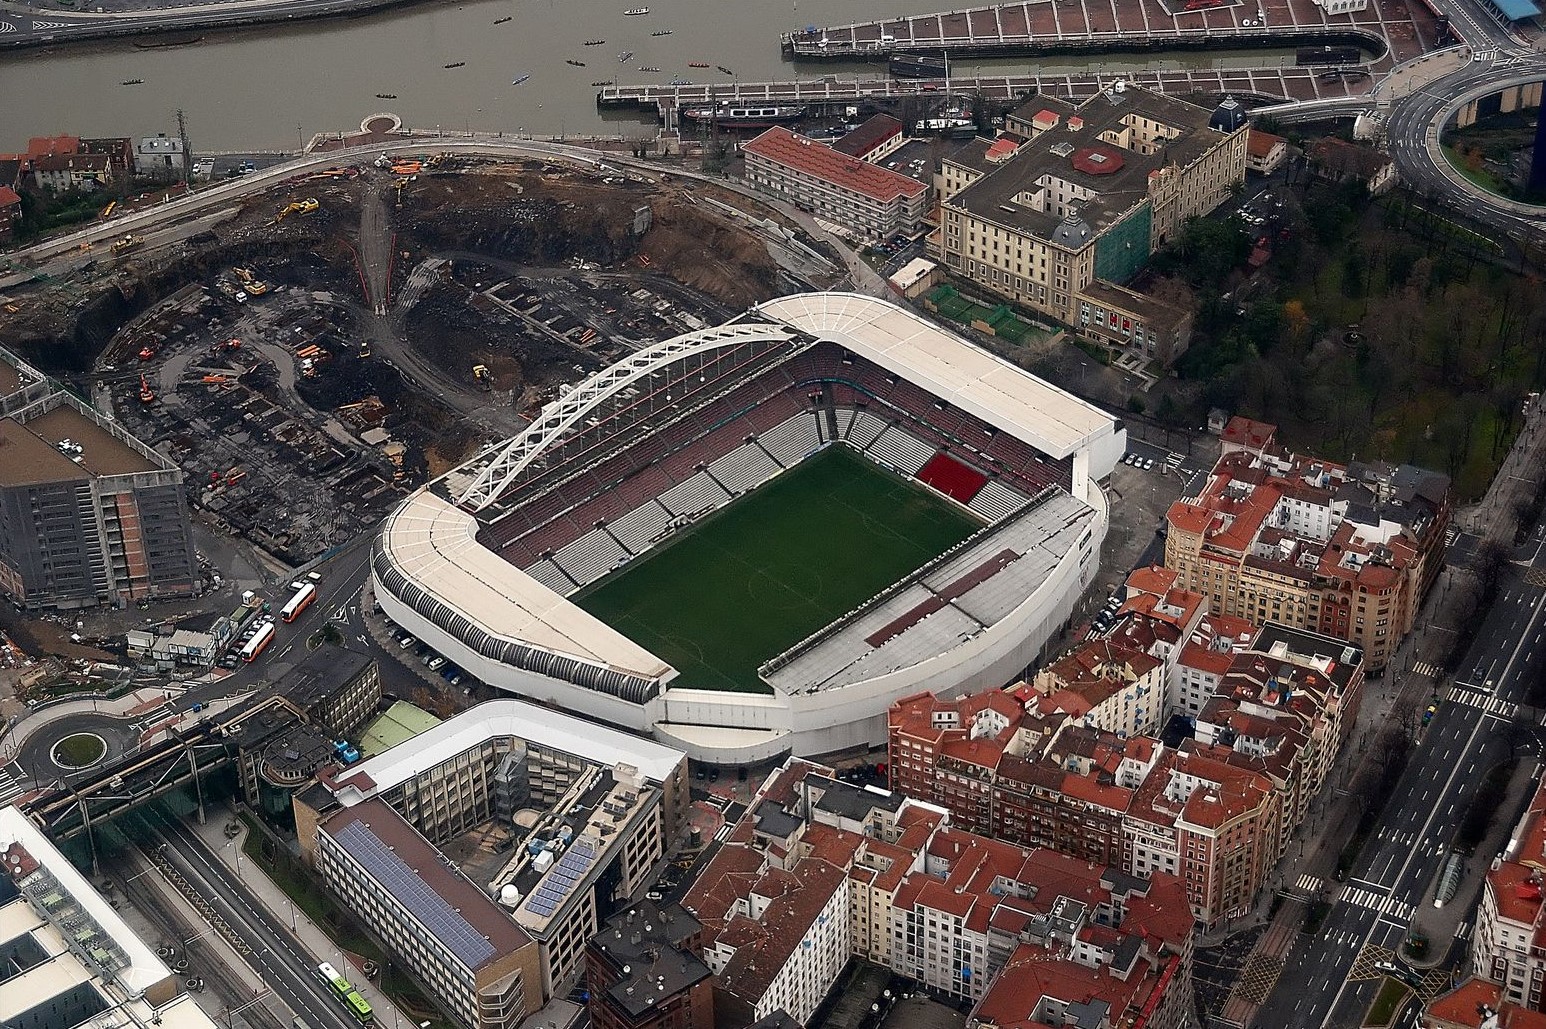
[775, 566]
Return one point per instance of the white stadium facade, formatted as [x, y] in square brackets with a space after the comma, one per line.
[479, 563]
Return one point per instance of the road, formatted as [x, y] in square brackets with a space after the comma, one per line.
[21, 26]
[343, 575]
[1328, 980]
[275, 954]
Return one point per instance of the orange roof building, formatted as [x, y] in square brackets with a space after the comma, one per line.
[795, 890]
[1347, 551]
[1510, 938]
[872, 201]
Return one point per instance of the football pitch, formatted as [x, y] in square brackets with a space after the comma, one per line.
[775, 566]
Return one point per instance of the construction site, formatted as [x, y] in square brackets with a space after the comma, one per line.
[332, 343]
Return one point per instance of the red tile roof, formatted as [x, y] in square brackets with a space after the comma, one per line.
[8, 197]
[1260, 144]
[820, 161]
[1249, 433]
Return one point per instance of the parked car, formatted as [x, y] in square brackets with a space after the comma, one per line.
[407, 641]
[435, 662]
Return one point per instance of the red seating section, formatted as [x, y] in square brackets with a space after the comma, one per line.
[952, 478]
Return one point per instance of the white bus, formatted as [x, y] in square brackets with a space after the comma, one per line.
[303, 596]
[255, 646]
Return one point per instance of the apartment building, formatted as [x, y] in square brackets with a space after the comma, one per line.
[478, 964]
[1066, 762]
[1347, 551]
[959, 908]
[1067, 204]
[870, 201]
[1107, 686]
[1479, 1004]
[88, 514]
[10, 212]
[57, 173]
[588, 809]
[642, 971]
[1509, 944]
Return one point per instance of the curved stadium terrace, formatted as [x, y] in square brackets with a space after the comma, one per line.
[685, 463]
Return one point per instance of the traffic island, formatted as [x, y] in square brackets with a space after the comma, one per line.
[1391, 999]
[79, 750]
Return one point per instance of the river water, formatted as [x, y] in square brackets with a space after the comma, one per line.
[267, 88]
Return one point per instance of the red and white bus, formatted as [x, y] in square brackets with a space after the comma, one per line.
[303, 596]
[256, 645]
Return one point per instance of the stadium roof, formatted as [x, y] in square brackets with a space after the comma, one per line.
[1009, 398]
[435, 543]
[498, 718]
[964, 596]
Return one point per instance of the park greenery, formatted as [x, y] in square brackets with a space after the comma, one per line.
[1380, 328]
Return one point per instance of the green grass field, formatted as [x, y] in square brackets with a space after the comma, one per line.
[775, 566]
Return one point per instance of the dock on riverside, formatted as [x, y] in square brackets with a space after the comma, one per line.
[1272, 85]
[1406, 28]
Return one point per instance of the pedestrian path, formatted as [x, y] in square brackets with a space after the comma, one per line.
[1308, 883]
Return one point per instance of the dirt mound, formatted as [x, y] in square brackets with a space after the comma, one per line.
[709, 254]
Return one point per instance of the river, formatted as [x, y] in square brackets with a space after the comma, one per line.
[268, 88]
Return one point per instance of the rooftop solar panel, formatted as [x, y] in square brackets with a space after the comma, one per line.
[562, 879]
[413, 893]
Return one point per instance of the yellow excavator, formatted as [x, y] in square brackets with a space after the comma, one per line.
[306, 206]
[250, 282]
[483, 377]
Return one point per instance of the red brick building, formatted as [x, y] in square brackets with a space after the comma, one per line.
[643, 971]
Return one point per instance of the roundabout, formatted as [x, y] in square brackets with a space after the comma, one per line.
[78, 751]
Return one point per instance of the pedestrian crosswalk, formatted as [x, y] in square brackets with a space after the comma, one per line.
[10, 786]
[1426, 668]
[1463, 931]
[1494, 706]
[1451, 536]
[1308, 883]
[724, 832]
[1382, 903]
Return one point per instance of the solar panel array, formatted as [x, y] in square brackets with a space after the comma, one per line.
[561, 881]
[413, 893]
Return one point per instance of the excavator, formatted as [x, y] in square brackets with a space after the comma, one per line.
[147, 395]
[250, 282]
[306, 206]
[483, 377]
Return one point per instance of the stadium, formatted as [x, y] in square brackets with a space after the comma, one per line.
[750, 540]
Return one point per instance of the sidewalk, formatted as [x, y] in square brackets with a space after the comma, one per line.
[1391, 700]
[315, 942]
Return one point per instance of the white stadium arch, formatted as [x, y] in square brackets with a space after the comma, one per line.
[561, 415]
